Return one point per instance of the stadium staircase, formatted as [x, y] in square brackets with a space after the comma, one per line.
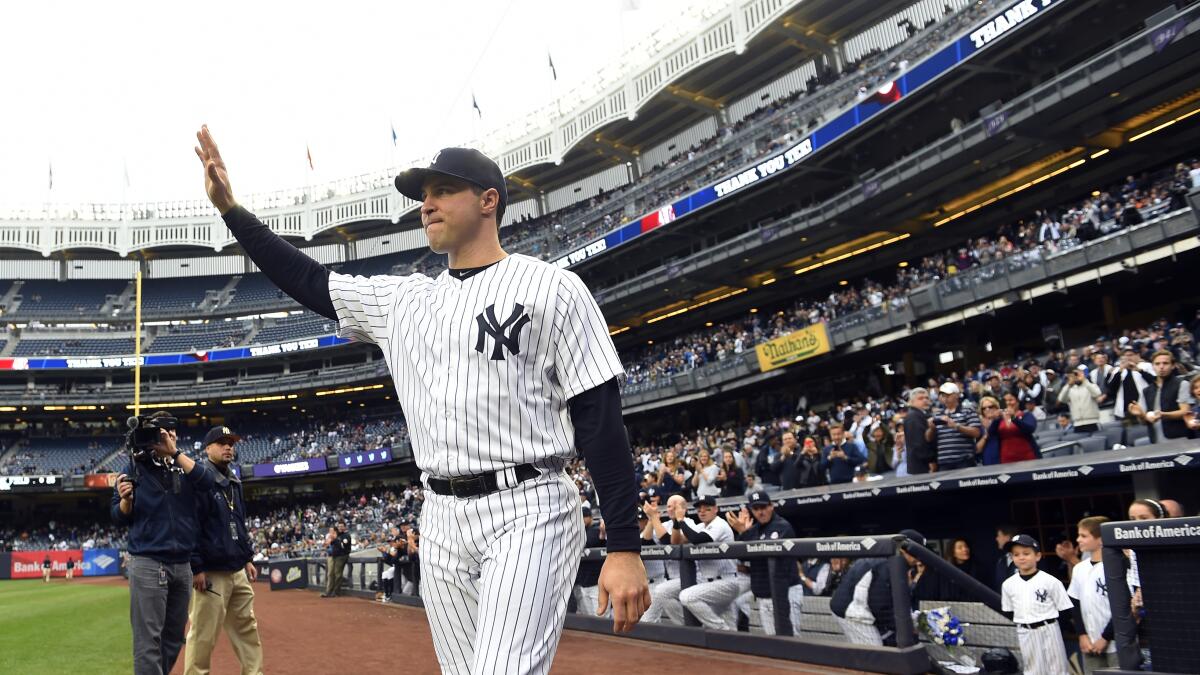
[7, 300]
[252, 335]
[224, 296]
[9, 450]
[9, 346]
[114, 304]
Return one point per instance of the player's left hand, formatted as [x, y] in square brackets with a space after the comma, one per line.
[1099, 645]
[251, 572]
[623, 580]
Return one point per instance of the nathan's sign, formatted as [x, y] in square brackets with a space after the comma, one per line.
[793, 347]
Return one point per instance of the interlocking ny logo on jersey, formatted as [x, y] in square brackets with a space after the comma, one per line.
[1101, 587]
[1041, 594]
[505, 334]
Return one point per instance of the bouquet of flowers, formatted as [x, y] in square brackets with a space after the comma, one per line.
[940, 626]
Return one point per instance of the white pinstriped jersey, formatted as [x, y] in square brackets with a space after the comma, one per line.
[1090, 588]
[483, 366]
[720, 532]
[1035, 599]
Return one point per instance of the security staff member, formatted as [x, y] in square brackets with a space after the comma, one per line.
[762, 523]
[221, 567]
[159, 507]
[339, 554]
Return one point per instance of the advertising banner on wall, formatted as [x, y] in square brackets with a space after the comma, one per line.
[793, 347]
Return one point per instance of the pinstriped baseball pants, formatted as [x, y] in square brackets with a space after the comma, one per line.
[496, 574]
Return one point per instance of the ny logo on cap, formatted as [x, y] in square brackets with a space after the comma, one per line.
[505, 334]
[435, 158]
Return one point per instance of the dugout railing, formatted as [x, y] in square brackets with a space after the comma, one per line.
[1162, 636]
[820, 640]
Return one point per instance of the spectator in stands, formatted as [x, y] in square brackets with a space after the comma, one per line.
[806, 469]
[1015, 428]
[842, 456]
[1099, 375]
[730, 477]
[988, 445]
[1192, 419]
[1126, 384]
[920, 454]
[956, 429]
[1063, 421]
[766, 467]
[704, 478]
[1082, 396]
[899, 453]
[879, 450]
[672, 476]
[1168, 400]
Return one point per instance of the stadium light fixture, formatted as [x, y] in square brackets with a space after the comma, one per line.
[1162, 126]
[1099, 153]
[708, 324]
[8, 408]
[850, 254]
[349, 390]
[260, 399]
[681, 310]
[618, 331]
[768, 282]
[1009, 193]
[169, 404]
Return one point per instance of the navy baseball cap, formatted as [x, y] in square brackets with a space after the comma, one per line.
[218, 434]
[462, 163]
[707, 500]
[759, 498]
[914, 536]
[1023, 540]
[652, 492]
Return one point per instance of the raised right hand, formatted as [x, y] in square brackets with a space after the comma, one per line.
[216, 177]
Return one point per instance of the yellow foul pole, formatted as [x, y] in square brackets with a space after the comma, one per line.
[137, 346]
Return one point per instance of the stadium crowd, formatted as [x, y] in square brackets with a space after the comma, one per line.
[1047, 231]
[298, 529]
[62, 536]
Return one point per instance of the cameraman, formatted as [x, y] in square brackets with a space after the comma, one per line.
[158, 504]
[221, 567]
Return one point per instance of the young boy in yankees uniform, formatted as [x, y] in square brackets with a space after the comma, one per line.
[1033, 599]
[504, 367]
[1089, 594]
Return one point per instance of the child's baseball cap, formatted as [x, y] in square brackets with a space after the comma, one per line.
[1023, 540]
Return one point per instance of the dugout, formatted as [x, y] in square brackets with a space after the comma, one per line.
[1167, 554]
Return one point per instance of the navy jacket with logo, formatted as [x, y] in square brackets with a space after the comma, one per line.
[216, 550]
[162, 524]
[785, 567]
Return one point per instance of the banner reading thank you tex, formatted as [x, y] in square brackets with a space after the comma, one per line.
[795, 346]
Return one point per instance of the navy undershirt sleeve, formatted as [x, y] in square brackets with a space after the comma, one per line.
[693, 536]
[301, 277]
[600, 436]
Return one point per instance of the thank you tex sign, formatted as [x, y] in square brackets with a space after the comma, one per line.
[793, 347]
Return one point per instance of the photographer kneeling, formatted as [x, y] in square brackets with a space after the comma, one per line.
[157, 500]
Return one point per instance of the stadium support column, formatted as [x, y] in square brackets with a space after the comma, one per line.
[910, 366]
[1109, 303]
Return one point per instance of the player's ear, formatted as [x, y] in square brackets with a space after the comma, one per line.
[489, 203]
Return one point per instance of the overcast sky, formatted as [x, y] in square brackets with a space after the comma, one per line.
[91, 88]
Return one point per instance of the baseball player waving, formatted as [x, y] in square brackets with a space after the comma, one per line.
[504, 367]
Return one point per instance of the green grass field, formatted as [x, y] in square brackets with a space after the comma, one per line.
[60, 628]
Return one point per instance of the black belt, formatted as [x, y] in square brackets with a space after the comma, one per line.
[478, 484]
[1039, 624]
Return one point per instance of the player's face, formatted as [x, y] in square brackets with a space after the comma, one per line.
[1087, 543]
[706, 513]
[764, 513]
[1025, 558]
[452, 212]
